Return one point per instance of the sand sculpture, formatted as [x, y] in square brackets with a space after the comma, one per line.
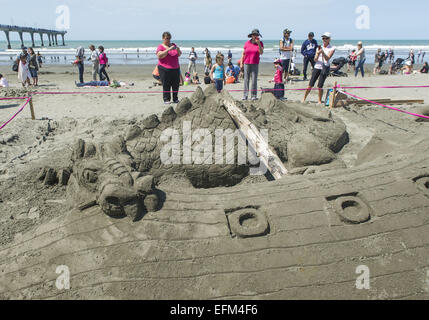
[120, 175]
[343, 205]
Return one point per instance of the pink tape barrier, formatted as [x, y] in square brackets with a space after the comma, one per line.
[234, 90]
[157, 92]
[14, 98]
[386, 87]
[385, 106]
[18, 112]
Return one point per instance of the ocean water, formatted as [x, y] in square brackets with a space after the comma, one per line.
[143, 52]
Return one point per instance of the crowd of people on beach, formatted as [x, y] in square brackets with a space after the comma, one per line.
[220, 71]
[168, 74]
[99, 62]
[27, 63]
[318, 56]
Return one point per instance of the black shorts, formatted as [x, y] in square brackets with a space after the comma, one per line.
[317, 74]
[285, 65]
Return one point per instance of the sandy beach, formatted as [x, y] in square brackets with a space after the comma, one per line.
[186, 249]
[62, 79]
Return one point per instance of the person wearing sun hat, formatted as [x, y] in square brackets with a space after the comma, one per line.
[322, 67]
[286, 48]
[253, 49]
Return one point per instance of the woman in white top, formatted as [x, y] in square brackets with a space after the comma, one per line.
[361, 58]
[322, 67]
[23, 72]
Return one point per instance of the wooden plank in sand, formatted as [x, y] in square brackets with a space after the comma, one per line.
[33, 116]
[262, 148]
[388, 101]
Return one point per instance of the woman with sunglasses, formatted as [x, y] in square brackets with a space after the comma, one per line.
[322, 67]
[169, 69]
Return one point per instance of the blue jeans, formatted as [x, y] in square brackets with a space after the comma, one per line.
[103, 73]
[360, 67]
[93, 84]
[81, 70]
[33, 72]
[219, 85]
[307, 60]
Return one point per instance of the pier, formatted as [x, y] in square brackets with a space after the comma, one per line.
[52, 35]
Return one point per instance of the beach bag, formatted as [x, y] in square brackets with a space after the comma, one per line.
[230, 80]
[15, 67]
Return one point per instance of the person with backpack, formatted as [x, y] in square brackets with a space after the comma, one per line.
[308, 50]
[286, 48]
[17, 61]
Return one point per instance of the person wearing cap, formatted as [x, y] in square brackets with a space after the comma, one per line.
[279, 87]
[308, 50]
[361, 58]
[408, 67]
[253, 49]
[322, 66]
[286, 48]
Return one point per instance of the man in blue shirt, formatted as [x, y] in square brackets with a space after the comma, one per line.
[308, 50]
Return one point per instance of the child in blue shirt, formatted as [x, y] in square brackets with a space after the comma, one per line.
[218, 72]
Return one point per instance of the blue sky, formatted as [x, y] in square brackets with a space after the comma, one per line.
[221, 19]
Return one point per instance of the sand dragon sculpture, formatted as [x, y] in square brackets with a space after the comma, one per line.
[120, 175]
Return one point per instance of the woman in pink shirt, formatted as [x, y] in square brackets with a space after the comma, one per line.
[250, 58]
[102, 58]
[169, 68]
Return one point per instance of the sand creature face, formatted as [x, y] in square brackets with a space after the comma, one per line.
[103, 174]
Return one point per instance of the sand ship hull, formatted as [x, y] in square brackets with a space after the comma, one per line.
[297, 238]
